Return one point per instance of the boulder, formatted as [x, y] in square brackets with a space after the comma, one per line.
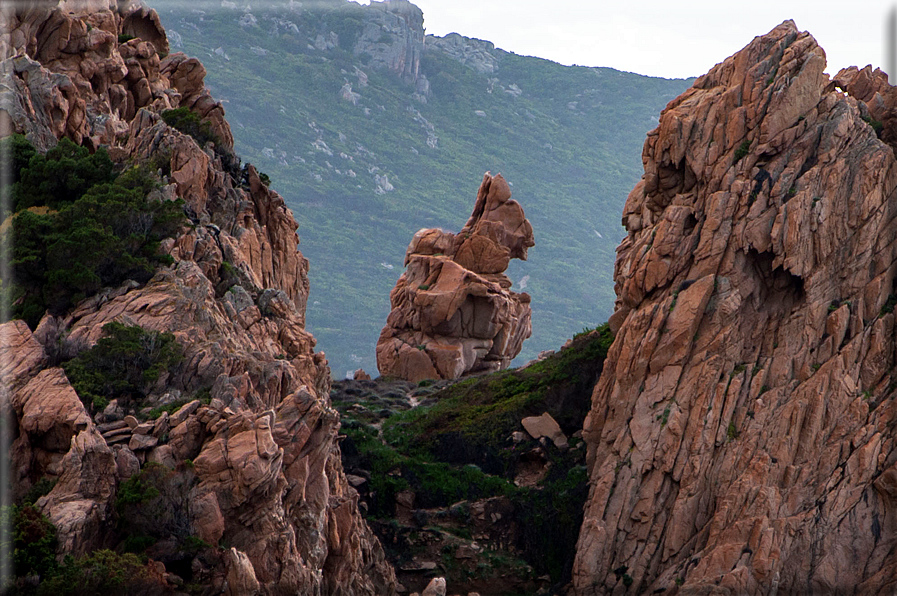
[545, 426]
[436, 587]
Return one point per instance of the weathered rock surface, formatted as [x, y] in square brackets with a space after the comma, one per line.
[872, 89]
[269, 481]
[452, 309]
[402, 24]
[477, 54]
[741, 438]
[436, 587]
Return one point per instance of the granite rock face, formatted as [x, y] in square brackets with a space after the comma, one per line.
[741, 438]
[453, 312]
[872, 89]
[267, 478]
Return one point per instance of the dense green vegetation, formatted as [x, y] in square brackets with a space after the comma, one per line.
[457, 446]
[56, 179]
[189, 123]
[126, 362]
[150, 507]
[33, 546]
[78, 225]
[34, 541]
[570, 143]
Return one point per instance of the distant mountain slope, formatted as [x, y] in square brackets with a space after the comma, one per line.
[372, 131]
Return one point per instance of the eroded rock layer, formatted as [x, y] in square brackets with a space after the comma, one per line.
[741, 438]
[452, 309]
[259, 463]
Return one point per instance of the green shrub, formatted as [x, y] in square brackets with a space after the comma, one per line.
[16, 152]
[888, 306]
[731, 432]
[137, 543]
[39, 489]
[61, 176]
[195, 544]
[189, 123]
[78, 227]
[875, 124]
[742, 150]
[135, 490]
[551, 517]
[126, 361]
[33, 540]
[100, 573]
[153, 505]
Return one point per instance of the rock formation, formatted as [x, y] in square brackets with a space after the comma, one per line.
[741, 438]
[402, 23]
[871, 87]
[477, 54]
[260, 455]
[453, 312]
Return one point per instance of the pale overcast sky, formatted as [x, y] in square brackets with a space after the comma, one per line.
[670, 38]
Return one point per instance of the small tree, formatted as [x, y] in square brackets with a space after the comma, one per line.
[125, 362]
[61, 176]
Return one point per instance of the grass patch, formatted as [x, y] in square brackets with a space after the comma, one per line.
[742, 151]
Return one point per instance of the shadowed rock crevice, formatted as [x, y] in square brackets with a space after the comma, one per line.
[777, 289]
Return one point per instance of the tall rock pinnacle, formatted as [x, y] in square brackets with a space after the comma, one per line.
[741, 438]
[452, 309]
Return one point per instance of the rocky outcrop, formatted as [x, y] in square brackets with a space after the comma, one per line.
[741, 438]
[872, 89]
[393, 37]
[261, 451]
[453, 312]
[477, 54]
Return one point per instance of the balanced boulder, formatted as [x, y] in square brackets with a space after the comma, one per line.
[453, 311]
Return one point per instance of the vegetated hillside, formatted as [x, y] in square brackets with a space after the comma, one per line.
[455, 487]
[371, 134]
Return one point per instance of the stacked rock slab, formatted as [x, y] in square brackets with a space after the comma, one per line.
[742, 436]
[453, 312]
[262, 456]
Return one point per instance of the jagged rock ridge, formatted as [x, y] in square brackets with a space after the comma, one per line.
[452, 309]
[260, 461]
[741, 436]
